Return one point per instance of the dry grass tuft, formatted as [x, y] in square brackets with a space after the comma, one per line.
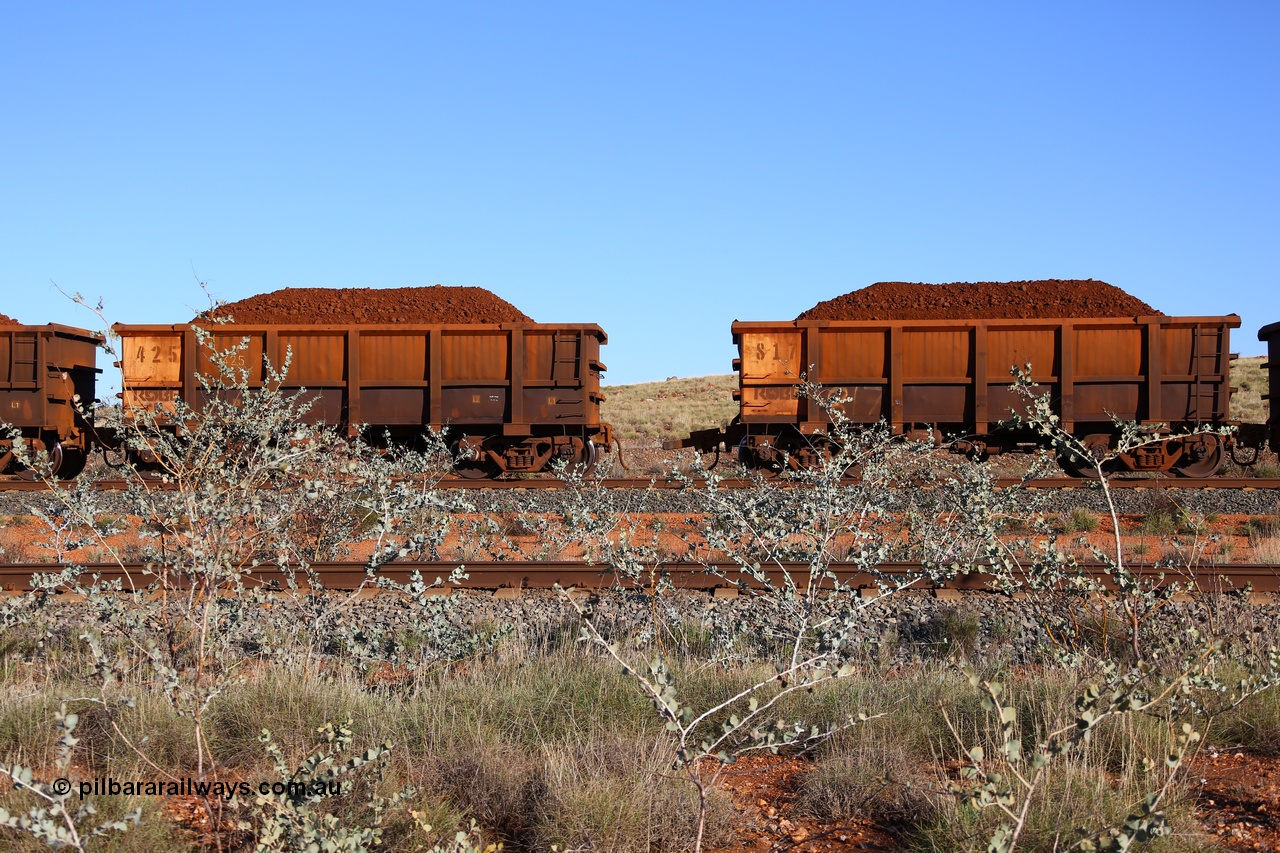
[1267, 551]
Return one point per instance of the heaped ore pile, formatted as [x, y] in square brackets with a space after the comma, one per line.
[368, 305]
[8, 321]
[983, 300]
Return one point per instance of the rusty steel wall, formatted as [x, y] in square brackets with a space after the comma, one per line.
[511, 378]
[957, 372]
[42, 370]
[1271, 334]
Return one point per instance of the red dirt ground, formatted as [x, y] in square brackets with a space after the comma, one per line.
[8, 321]
[984, 300]
[437, 304]
[1238, 799]
[763, 791]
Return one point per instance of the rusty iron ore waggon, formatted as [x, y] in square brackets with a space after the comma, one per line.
[1271, 336]
[949, 380]
[512, 397]
[47, 380]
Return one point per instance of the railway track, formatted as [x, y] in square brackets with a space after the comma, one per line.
[512, 575]
[1260, 483]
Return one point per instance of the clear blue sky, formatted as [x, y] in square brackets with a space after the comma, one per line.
[658, 168]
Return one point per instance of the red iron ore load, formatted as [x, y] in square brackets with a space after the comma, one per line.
[369, 305]
[984, 300]
[8, 321]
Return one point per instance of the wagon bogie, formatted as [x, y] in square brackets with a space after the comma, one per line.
[1197, 454]
[785, 449]
[504, 454]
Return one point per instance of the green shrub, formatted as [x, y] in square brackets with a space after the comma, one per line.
[1080, 520]
[1159, 524]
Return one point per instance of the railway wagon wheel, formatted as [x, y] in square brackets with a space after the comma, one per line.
[475, 470]
[749, 459]
[471, 462]
[584, 461]
[1090, 466]
[1203, 457]
[63, 463]
[72, 463]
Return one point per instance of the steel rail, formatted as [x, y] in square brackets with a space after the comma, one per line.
[16, 577]
[1002, 482]
[1225, 483]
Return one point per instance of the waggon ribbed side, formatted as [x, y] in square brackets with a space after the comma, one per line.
[47, 375]
[513, 396]
[949, 379]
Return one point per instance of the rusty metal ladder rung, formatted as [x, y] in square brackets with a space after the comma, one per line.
[1201, 392]
[23, 362]
[564, 358]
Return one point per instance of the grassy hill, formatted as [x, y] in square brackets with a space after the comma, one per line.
[1250, 380]
[653, 410]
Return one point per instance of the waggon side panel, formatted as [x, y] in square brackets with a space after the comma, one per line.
[958, 372]
[151, 368]
[21, 402]
[502, 377]
[43, 369]
[1271, 334]
[772, 358]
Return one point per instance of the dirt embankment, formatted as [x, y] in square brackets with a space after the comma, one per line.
[337, 305]
[984, 300]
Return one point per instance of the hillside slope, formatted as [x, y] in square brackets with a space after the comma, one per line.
[656, 410]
